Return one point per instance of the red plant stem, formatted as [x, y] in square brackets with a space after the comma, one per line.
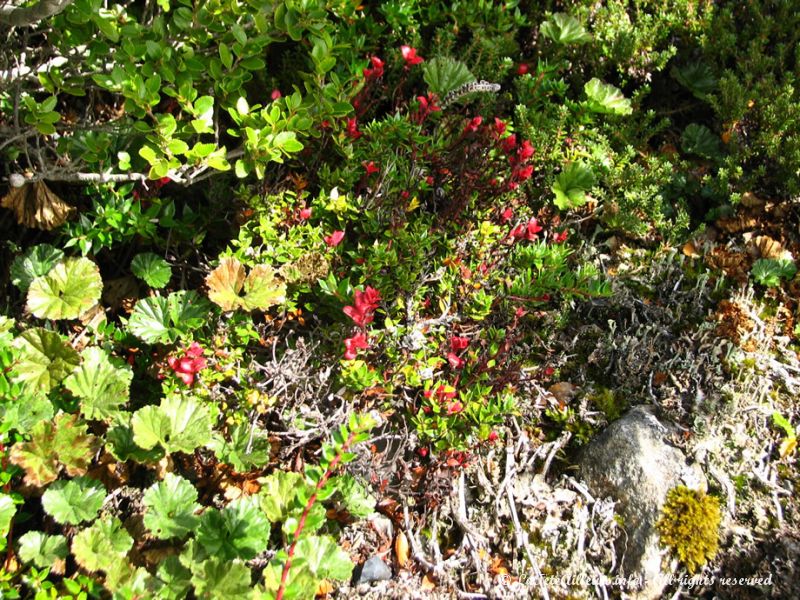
[302, 522]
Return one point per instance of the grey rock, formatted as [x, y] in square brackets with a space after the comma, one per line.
[374, 570]
[633, 464]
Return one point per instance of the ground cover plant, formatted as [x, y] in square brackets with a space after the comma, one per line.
[289, 285]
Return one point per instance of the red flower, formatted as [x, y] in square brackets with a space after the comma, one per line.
[354, 344]
[410, 56]
[455, 361]
[509, 143]
[453, 408]
[429, 180]
[276, 93]
[377, 68]
[352, 129]
[458, 343]
[522, 69]
[522, 173]
[560, 237]
[507, 215]
[525, 151]
[528, 231]
[499, 126]
[364, 305]
[335, 238]
[191, 363]
[473, 125]
[305, 213]
[427, 105]
[492, 436]
[371, 168]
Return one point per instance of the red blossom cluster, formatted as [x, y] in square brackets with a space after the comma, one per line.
[364, 305]
[457, 344]
[352, 129]
[445, 395]
[334, 239]
[370, 167]
[427, 105]
[526, 231]
[376, 70]
[473, 125]
[188, 365]
[353, 344]
[410, 56]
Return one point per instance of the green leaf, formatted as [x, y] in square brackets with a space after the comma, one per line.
[323, 558]
[564, 29]
[101, 382]
[278, 493]
[697, 77]
[173, 580]
[158, 319]
[151, 427]
[220, 579]
[572, 184]
[53, 444]
[44, 360]
[7, 511]
[770, 271]
[36, 262]
[73, 501]
[71, 288]
[31, 408]
[103, 544]
[700, 140]
[444, 75]
[44, 550]
[246, 449]
[605, 98]
[179, 424]
[122, 446]
[171, 505]
[152, 269]
[357, 499]
[240, 530]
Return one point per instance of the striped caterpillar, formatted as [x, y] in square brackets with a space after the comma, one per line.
[468, 88]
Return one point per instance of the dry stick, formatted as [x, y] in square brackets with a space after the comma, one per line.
[309, 505]
[522, 537]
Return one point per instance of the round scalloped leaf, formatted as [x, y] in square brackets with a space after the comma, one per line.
[73, 501]
[44, 550]
[37, 261]
[605, 98]
[152, 269]
[240, 530]
[101, 545]
[171, 505]
[565, 29]
[71, 288]
[101, 382]
[263, 289]
[571, 186]
[225, 282]
[44, 359]
[7, 511]
[164, 320]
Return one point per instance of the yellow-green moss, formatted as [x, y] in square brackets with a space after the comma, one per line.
[689, 525]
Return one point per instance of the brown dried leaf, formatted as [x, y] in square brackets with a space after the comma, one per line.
[690, 249]
[225, 283]
[401, 549]
[750, 200]
[35, 205]
[763, 246]
[737, 223]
